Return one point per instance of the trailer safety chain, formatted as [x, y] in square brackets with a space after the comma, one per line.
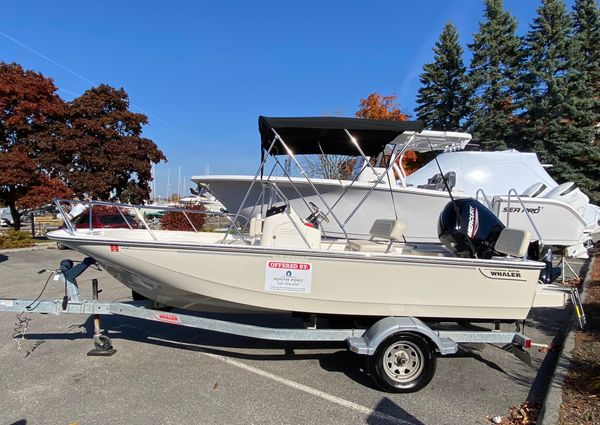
[22, 323]
[20, 329]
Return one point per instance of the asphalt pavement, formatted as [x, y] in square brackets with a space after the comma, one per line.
[174, 375]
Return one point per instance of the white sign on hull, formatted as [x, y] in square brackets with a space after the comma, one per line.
[288, 276]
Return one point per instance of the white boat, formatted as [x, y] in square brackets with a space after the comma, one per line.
[283, 262]
[209, 203]
[201, 196]
[536, 202]
[200, 271]
[561, 213]
[418, 208]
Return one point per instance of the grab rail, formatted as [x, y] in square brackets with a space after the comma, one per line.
[513, 191]
[487, 201]
[71, 229]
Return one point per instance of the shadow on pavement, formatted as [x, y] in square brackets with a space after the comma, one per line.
[390, 408]
[4, 258]
[120, 328]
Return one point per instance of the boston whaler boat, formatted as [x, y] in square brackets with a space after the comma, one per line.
[281, 262]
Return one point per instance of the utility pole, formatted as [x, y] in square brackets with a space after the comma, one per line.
[179, 184]
[169, 186]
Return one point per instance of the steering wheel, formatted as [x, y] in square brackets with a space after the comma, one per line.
[316, 212]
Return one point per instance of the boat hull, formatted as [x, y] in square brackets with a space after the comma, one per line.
[241, 278]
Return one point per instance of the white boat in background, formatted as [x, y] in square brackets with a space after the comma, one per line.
[201, 196]
[418, 208]
[561, 212]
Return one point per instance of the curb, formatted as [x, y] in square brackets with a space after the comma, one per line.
[36, 247]
[549, 413]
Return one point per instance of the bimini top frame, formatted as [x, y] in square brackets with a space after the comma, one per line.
[346, 136]
[330, 136]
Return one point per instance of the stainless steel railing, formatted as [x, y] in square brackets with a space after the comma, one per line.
[514, 192]
[511, 193]
[138, 209]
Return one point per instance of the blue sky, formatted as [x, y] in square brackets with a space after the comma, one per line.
[204, 71]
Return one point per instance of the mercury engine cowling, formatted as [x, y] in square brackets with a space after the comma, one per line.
[469, 229]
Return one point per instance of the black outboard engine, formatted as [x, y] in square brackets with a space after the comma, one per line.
[469, 229]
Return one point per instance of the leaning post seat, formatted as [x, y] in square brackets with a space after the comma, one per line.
[437, 182]
[383, 233]
[513, 242]
[286, 230]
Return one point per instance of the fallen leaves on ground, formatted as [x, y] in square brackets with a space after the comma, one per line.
[581, 390]
[525, 414]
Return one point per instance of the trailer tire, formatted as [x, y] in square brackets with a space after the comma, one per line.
[403, 363]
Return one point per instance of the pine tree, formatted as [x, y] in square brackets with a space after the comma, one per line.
[442, 98]
[556, 100]
[492, 78]
[586, 18]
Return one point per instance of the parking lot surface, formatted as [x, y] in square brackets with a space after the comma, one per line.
[173, 375]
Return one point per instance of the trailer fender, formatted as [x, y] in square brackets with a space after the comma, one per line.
[367, 343]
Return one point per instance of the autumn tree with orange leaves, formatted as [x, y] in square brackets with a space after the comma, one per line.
[379, 107]
[31, 116]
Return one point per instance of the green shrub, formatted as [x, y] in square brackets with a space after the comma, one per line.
[16, 239]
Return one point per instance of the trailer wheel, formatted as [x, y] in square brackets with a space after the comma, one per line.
[403, 363]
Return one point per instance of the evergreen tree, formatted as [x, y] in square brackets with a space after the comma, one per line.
[442, 98]
[556, 100]
[492, 78]
[586, 17]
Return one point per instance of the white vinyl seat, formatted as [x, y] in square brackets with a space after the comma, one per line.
[513, 242]
[383, 234]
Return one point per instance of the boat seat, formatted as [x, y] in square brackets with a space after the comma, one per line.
[513, 242]
[383, 234]
[437, 182]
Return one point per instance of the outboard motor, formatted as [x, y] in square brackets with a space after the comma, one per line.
[469, 229]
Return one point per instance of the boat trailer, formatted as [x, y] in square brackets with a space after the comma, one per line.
[400, 351]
